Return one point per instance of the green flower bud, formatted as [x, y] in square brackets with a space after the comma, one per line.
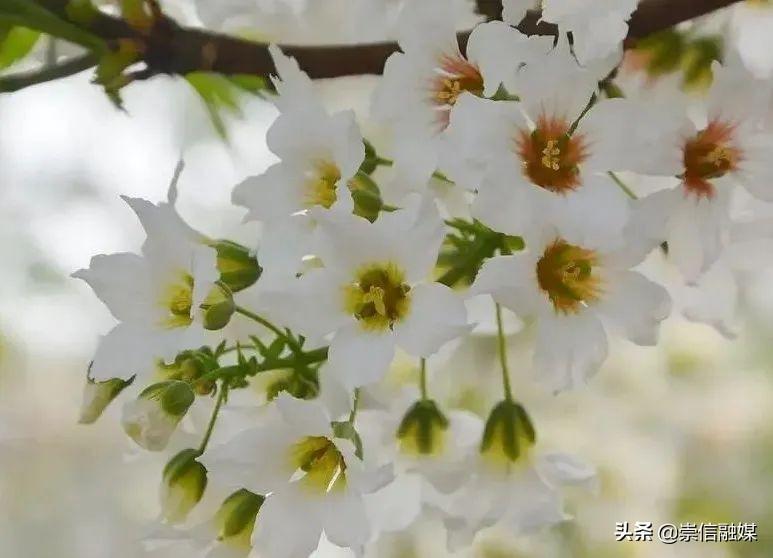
[98, 395]
[183, 485]
[218, 306]
[236, 517]
[237, 266]
[151, 419]
[423, 429]
[508, 435]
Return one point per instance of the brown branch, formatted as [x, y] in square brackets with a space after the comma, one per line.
[173, 49]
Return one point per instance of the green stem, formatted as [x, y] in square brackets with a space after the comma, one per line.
[212, 419]
[423, 379]
[355, 406]
[294, 345]
[503, 355]
[311, 357]
[623, 186]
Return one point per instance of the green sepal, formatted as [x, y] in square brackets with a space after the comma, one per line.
[174, 396]
[422, 429]
[238, 267]
[218, 306]
[509, 432]
[237, 514]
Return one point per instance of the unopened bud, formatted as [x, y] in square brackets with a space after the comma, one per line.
[423, 429]
[236, 517]
[183, 485]
[508, 435]
[218, 307]
[237, 266]
[151, 419]
[98, 395]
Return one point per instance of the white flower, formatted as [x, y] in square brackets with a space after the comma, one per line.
[576, 284]
[313, 479]
[512, 482]
[715, 298]
[430, 450]
[155, 296]
[529, 159]
[374, 292]
[422, 84]
[598, 26]
[319, 156]
[725, 149]
[151, 419]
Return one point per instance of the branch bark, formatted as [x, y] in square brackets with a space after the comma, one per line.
[172, 49]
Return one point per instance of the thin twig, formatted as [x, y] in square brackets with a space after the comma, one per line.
[14, 82]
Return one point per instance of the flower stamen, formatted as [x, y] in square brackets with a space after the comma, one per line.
[565, 273]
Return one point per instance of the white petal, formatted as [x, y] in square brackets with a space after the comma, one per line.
[634, 305]
[648, 143]
[288, 526]
[507, 202]
[569, 349]
[695, 233]
[276, 193]
[358, 357]
[436, 316]
[124, 283]
[346, 521]
[714, 300]
[512, 282]
[308, 418]
[128, 349]
[563, 469]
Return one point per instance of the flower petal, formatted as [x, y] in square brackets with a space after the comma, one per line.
[437, 315]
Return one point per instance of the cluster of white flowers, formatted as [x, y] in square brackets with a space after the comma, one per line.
[505, 177]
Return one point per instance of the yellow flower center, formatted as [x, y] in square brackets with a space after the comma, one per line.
[177, 300]
[379, 296]
[321, 185]
[551, 155]
[565, 275]
[321, 463]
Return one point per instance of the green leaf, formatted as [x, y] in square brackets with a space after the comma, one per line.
[111, 67]
[15, 44]
[221, 94]
[33, 16]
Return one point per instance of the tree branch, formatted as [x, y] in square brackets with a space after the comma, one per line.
[14, 82]
[173, 49]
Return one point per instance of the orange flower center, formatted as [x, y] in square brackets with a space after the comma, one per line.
[565, 275]
[454, 75]
[551, 156]
[709, 154]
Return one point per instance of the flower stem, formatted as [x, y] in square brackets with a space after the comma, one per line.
[623, 186]
[355, 406]
[503, 355]
[291, 341]
[212, 419]
[423, 378]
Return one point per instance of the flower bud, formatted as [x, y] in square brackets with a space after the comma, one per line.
[183, 485]
[236, 517]
[98, 395]
[151, 419]
[218, 306]
[508, 435]
[237, 266]
[423, 429]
